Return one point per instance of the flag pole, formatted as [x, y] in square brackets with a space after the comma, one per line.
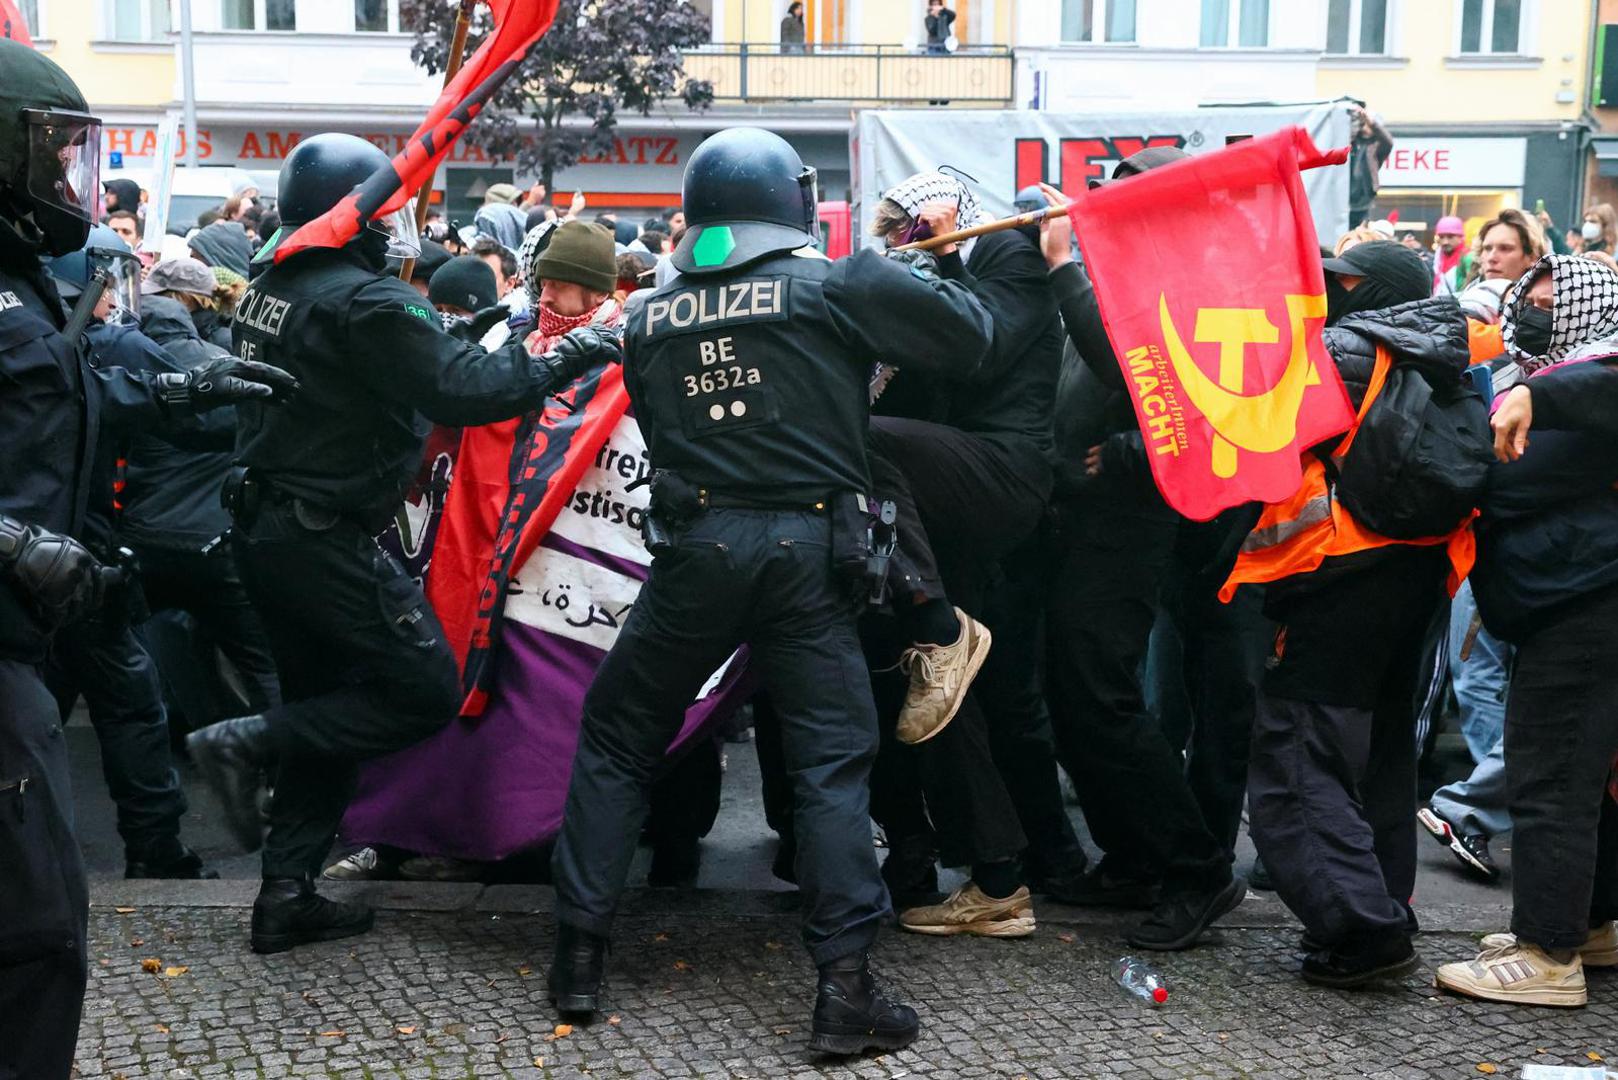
[1033, 217]
[457, 53]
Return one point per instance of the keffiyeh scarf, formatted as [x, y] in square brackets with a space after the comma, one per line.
[936, 187]
[1585, 311]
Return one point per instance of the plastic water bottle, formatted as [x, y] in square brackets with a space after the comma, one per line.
[1138, 977]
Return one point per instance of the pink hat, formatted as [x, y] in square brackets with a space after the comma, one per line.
[1451, 225]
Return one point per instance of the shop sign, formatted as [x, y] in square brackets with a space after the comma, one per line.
[1454, 162]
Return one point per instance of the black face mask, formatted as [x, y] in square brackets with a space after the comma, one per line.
[1534, 331]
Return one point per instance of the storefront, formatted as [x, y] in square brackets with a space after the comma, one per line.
[1431, 174]
[640, 176]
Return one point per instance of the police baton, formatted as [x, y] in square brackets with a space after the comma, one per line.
[93, 292]
[457, 53]
[1033, 217]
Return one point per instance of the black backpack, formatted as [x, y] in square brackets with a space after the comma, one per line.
[1417, 465]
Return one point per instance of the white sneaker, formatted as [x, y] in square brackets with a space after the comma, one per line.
[1600, 949]
[1516, 973]
[363, 865]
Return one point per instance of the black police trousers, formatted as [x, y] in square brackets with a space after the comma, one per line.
[734, 577]
[101, 658]
[1561, 742]
[1104, 593]
[364, 670]
[1331, 785]
[44, 901]
[209, 589]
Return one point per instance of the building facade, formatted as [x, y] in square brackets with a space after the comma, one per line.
[1485, 98]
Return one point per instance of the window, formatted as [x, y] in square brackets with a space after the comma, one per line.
[259, 15]
[1098, 20]
[1357, 28]
[1246, 22]
[30, 16]
[376, 16]
[1492, 26]
[137, 20]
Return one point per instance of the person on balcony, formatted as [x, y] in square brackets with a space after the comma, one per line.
[792, 31]
[940, 21]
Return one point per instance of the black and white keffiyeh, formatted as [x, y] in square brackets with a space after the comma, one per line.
[935, 187]
[1585, 311]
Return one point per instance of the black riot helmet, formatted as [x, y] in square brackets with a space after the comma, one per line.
[319, 173]
[747, 194]
[50, 150]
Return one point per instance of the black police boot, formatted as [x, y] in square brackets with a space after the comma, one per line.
[168, 859]
[852, 1016]
[288, 912]
[230, 755]
[577, 971]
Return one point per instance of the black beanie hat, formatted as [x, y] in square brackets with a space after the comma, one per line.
[465, 281]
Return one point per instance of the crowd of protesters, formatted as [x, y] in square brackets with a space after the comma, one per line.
[1050, 614]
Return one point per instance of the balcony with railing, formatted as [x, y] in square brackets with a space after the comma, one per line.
[975, 75]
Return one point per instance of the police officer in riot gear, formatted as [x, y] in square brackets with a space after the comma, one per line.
[364, 667]
[52, 403]
[749, 374]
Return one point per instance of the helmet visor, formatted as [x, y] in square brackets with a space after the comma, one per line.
[64, 160]
[404, 241]
[809, 184]
[122, 269]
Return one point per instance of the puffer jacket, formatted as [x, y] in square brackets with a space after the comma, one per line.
[171, 494]
[1428, 334]
[1548, 534]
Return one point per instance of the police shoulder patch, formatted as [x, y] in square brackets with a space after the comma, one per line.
[421, 311]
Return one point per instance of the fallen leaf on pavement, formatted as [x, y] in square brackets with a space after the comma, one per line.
[124, 910]
[615, 1020]
[525, 971]
[772, 944]
[162, 1029]
[783, 1031]
[1593, 1056]
[151, 965]
[136, 942]
[681, 965]
[175, 972]
[503, 1037]
[562, 1031]
[1065, 938]
[405, 1030]
[539, 1063]
[661, 937]
[1486, 1068]
[335, 1033]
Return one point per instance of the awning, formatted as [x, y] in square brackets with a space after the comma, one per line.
[1606, 148]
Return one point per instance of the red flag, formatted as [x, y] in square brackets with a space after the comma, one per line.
[518, 25]
[13, 25]
[1208, 276]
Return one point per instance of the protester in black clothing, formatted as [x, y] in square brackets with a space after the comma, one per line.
[1332, 778]
[1116, 543]
[363, 664]
[172, 516]
[1371, 147]
[1547, 581]
[792, 29]
[52, 405]
[224, 243]
[965, 461]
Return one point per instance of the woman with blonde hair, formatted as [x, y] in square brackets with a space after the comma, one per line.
[1600, 229]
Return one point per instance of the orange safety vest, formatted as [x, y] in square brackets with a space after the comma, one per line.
[1483, 340]
[1298, 535]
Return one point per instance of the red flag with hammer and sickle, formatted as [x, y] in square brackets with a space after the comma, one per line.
[518, 26]
[1208, 276]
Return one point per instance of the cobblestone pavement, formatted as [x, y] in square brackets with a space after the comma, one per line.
[460, 993]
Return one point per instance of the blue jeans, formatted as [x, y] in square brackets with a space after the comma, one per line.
[1478, 803]
[1480, 678]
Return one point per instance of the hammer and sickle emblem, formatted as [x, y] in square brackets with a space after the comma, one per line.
[1259, 423]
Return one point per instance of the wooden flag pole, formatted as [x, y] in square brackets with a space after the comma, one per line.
[1033, 217]
[457, 53]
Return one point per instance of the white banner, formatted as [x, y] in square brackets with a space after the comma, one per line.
[1456, 161]
[1005, 151]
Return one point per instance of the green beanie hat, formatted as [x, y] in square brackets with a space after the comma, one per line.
[580, 252]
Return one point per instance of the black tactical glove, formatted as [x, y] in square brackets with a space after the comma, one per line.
[923, 264]
[225, 380]
[579, 351]
[58, 576]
